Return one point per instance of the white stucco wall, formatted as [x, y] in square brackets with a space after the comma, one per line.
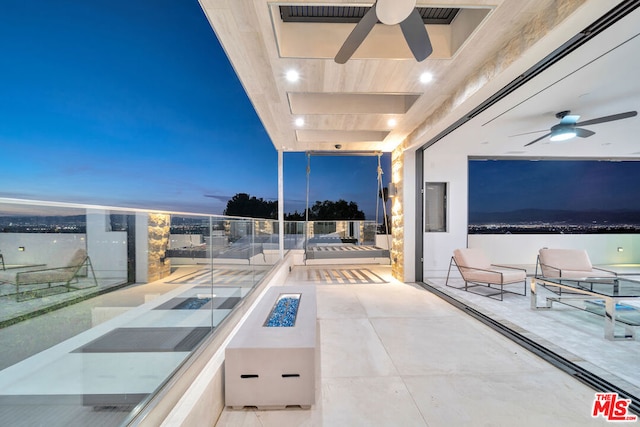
[449, 166]
[50, 249]
[523, 248]
[107, 249]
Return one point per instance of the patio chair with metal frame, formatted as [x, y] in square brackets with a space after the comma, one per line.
[568, 263]
[64, 277]
[476, 270]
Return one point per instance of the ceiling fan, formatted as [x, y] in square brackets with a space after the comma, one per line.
[390, 12]
[569, 126]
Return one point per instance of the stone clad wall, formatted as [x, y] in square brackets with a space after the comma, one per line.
[158, 229]
[397, 215]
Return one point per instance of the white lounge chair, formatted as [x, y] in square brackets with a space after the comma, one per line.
[568, 264]
[475, 268]
[78, 266]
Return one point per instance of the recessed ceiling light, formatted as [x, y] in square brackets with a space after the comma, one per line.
[293, 76]
[426, 77]
[392, 122]
[299, 122]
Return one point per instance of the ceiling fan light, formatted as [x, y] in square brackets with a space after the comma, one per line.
[563, 135]
[394, 12]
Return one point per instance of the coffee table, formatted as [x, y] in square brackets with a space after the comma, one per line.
[598, 293]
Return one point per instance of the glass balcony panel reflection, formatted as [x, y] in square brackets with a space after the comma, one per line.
[100, 342]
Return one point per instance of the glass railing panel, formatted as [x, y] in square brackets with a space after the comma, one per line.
[153, 287]
[53, 255]
[368, 231]
[294, 234]
[56, 260]
[348, 239]
[242, 248]
[193, 239]
[342, 232]
[111, 245]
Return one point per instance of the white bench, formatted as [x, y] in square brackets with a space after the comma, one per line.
[272, 367]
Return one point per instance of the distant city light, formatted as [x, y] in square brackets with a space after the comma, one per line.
[506, 187]
[293, 76]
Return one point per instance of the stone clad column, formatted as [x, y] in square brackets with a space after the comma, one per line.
[158, 229]
[397, 215]
[152, 241]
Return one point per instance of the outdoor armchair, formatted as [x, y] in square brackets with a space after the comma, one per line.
[24, 280]
[567, 263]
[476, 270]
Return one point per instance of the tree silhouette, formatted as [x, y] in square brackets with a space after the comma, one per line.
[296, 216]
[249, 206]
[339, 210]
[244, 205]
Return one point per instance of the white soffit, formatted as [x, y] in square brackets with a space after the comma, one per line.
[350, 103]
[335, 136]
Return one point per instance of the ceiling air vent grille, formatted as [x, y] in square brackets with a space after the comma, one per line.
[353, 14]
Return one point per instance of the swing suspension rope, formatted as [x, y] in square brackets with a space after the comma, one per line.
[380, 191]
[306, 214]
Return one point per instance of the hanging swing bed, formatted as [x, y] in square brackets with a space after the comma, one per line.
[355, 240]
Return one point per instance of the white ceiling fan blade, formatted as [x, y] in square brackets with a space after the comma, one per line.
[392, 12]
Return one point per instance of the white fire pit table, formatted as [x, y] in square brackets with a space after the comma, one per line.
[271, 361]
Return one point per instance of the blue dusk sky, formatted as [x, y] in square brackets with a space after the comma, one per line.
[508, 185]
[134, 104]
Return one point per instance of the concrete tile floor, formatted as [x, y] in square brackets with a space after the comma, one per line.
[575, 334]
[394, 354]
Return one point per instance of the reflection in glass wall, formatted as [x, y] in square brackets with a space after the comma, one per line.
[56, 255]
[98, 308]
[584, 197]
